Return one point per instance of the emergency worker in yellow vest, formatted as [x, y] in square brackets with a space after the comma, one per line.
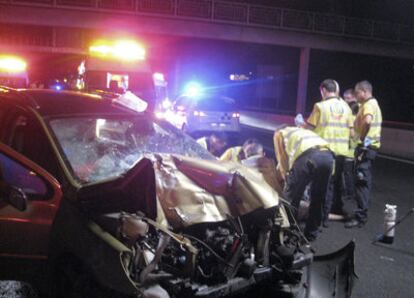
[368, 129]
[233, 154]
[304, 157]
[238, 153]
[255, 158]
[331, 119]
[215, 143]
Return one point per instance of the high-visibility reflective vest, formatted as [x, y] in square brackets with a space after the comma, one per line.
[232, 153]
[370, 107]
[298, 140]
[334, 124]
[203, 142]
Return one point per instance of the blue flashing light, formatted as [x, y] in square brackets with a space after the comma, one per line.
[166, 103]
[193, 89]
[57, 87]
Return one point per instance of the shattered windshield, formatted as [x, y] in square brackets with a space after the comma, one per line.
[100, 148]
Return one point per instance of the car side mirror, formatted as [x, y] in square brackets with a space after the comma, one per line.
[17, 198]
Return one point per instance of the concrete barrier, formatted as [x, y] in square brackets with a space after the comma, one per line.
[397, 142]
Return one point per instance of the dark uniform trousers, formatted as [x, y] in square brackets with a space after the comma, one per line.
[340, 197]
[348, 194]
[364, 159]
[335, 188]
[313, 166]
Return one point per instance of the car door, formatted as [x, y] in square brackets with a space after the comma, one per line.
[29, 199]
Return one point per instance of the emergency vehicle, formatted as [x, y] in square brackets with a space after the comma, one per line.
[13, 71]
[121, 66]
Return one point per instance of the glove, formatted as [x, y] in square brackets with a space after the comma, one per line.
[299, 121]
[367, 142]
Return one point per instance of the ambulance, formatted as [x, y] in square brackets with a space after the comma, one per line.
[120, 66]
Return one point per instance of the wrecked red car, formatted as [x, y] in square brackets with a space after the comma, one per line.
[118, 204]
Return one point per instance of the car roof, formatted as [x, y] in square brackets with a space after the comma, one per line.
[51, 103]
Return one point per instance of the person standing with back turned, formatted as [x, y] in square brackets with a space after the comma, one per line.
[331, 119]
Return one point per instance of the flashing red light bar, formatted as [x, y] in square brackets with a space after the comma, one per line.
[126, 50]
[12, 64]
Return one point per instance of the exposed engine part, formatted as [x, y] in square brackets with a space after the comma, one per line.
[214, 259]
[132, 227]
[162, 244]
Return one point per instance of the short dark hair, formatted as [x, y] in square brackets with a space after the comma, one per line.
[330, 85]
[251, 141]
[364, 85]
[255, 147]
[349, 91]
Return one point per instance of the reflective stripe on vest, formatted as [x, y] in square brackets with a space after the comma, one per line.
[377, 124]
[342, 141]
[334, 125]
[298, 140]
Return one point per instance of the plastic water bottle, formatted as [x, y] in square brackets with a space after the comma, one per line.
[390, 216]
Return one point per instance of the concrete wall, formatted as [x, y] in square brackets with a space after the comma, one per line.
[398, 142]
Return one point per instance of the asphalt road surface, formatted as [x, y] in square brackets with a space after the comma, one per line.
[384, 270]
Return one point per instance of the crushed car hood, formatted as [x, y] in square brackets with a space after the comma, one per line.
[191, 191]
[182, 191]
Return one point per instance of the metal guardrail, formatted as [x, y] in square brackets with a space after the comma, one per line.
[244, 14]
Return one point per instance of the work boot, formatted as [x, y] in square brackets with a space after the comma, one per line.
[352, 223]
[311, 236]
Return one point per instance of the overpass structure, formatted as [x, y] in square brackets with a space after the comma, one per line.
[68, 26]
